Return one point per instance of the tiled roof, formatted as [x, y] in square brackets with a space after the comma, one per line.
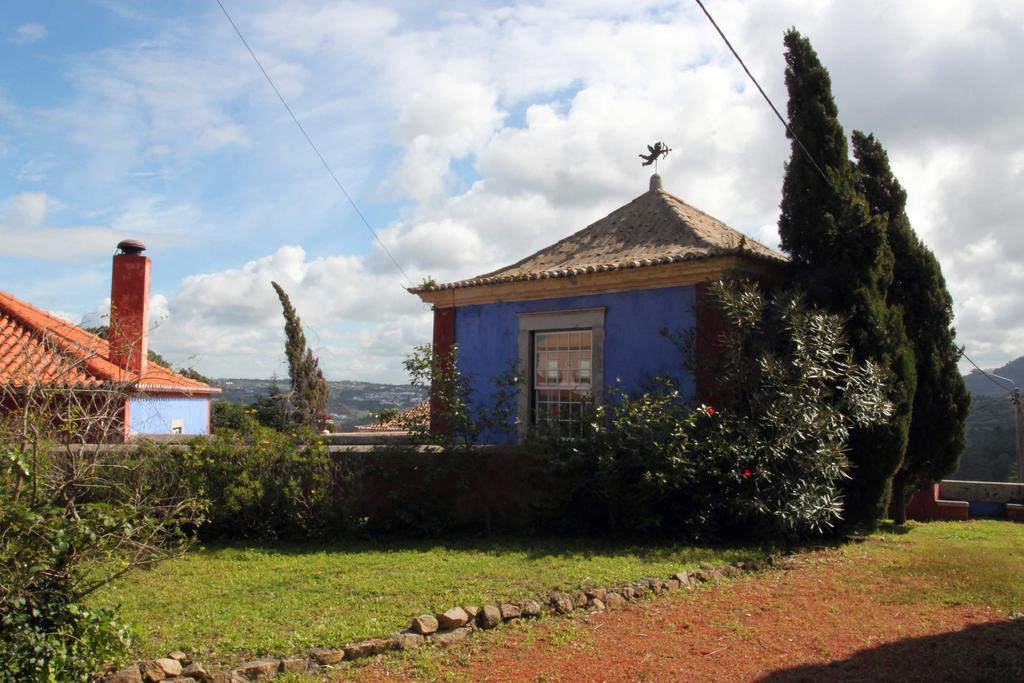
[654, 229]
[36, 346]
[418, 415]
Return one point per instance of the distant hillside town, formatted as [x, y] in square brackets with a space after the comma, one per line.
[350, 403]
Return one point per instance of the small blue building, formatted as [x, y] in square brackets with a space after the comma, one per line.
[597, 308]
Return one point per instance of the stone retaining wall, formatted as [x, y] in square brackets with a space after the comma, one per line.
[986, 491]
[451, 626]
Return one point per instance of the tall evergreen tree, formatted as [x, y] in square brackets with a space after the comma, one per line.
[840, 255]
[941, 402]
[308, 397]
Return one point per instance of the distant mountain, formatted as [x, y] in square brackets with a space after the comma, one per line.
[350, 403]
[991, 453]
[979, 385]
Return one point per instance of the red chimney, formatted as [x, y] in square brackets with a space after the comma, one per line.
[129, 307]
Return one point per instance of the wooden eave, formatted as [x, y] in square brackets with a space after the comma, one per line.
[624, 280]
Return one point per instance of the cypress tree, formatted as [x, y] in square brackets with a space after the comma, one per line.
[308, 397]
[938, 425]
[840, 256]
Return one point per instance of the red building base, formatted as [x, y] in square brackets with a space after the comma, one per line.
[927, 506]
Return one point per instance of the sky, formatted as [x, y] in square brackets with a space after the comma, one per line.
[469, 135]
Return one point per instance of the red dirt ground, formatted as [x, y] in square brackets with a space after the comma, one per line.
[825, 620]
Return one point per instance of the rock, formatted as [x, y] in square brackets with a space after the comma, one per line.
[424, 624]
[358, 650]
[531, 608]
[673, 585]
[294, 665]
[598, 593]
[628, 592]
[129, 674]
[183, 679]
[579, 600]
[409, 641]
[152, 671]
[326, 655]
[597, 605]
[472, 612]
[448, 637]
[561, 603]
[729, 571]
[509, 612]
[384, 644]
[179, 655]
[170, 667]
[489, 617]
[615, 600]
[684, 578]
[456, 617]
[226, 677]
[370, 647]
[705, 575]
[197, 671]
[259, 669]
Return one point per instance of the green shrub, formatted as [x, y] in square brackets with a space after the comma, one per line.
[262, 483]
[46, 634]
[767, 458]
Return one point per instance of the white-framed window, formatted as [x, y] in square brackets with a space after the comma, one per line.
[562, 362]
[562, 355]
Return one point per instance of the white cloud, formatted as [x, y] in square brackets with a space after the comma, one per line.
[26, 231]
[28, 33]
[230, 322]
[502, 129]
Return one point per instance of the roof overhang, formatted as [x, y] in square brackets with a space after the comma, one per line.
[629, 277]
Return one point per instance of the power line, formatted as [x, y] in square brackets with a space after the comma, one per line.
[312, 145]
[991, 377]
[789, 131]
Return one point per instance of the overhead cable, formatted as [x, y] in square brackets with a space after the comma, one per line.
[789, 131]
[313, 145]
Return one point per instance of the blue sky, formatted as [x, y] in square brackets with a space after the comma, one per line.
[468, 137]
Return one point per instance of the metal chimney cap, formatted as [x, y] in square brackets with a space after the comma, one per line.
[131, 247]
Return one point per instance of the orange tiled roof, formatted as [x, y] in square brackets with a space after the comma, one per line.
[655, 228]
[36, 346]
[418, 414]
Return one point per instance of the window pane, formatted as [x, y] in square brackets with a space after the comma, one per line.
[563, 371]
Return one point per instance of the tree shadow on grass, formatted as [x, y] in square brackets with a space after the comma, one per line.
[983, 652]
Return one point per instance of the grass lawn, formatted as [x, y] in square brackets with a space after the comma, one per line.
[980, 562]
[938, 601]
[222, 604]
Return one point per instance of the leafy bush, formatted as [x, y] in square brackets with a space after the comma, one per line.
[260, 482]
[46, 634]
[768, 457]
[73, 517]
[466, 419]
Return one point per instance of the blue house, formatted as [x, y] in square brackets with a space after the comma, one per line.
[592, 310]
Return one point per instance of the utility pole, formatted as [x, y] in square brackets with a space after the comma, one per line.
[1020, 436]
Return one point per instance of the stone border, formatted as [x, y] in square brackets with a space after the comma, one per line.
[448, 627]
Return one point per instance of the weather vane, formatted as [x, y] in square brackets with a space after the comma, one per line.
[655, 151]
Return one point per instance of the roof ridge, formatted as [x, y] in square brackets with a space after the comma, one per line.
[91, 350]
[654, 228]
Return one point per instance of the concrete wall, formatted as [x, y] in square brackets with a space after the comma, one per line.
[635, 351]
[157, 415]
[981, 491]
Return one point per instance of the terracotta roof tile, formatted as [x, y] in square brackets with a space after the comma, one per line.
[419, 415]
[655, 228]
[36, 346]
